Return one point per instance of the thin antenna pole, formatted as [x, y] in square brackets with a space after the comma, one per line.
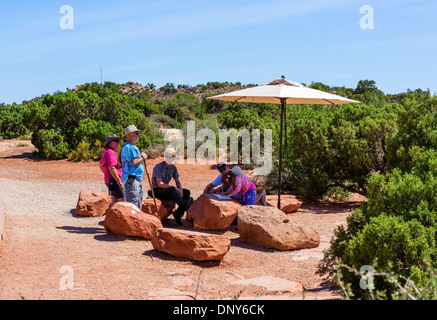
[101, 76]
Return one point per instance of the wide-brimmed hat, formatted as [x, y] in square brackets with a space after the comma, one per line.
[129, 129]
[110, 138]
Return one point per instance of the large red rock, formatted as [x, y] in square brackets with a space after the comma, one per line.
[92, 203]
[191, 244]
[211, 213]
[126, 219]
[269, 227]
[165, 208]
[289, 203]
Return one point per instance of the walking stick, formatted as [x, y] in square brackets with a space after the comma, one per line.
[151, 188]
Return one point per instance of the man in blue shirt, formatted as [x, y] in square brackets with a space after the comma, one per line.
[133, 168]
[224, 170]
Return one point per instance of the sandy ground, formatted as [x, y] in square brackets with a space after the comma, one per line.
[51, 253]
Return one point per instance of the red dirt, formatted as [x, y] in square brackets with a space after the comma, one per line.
[48, 248]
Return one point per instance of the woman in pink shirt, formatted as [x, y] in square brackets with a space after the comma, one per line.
[241, 187]
[112, 172]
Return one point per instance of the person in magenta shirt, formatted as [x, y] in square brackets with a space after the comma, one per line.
[241, 187]
[111, 170]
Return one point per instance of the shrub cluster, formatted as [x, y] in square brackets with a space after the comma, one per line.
[62, 122]
[395, 231]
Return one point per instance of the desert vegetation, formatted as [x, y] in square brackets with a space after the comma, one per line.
[384, 148]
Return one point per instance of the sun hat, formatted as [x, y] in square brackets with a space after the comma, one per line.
[110, 138]
[237, 170]
[130, 129]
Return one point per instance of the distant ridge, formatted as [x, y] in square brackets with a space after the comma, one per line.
[170, 90]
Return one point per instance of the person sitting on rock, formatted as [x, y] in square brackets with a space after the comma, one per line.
[163, 172]
[212, 187]
[242, 188]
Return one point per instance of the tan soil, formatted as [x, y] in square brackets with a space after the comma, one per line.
[43, 234]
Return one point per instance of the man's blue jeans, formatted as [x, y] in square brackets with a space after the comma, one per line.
[134, 192]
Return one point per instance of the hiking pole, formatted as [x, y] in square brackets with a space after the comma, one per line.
[151, 188]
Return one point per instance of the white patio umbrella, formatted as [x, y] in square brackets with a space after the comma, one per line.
[283, 92]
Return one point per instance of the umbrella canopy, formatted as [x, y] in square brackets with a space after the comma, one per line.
[282, 91]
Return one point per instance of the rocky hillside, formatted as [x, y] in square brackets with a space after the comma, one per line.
[170, 90]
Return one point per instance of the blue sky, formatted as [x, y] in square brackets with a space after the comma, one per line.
[193, 42]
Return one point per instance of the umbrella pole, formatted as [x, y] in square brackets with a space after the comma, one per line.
[285, 129]
[280, 154]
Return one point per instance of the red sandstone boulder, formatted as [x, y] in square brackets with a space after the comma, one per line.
[289, 203]
[165, 208]
[269, 227]
[126, 219]
[92, 203]
[211, 213]
[191, 244]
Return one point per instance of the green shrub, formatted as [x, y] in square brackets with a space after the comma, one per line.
[86, 116]
[390, 244]
[237, 116]
[338, 147]
[87, 152]
[148, 108]
[11, 121]
[405, 195]
[395, 231]
[416, 127]
[50, 144]
[90, 131]
[165, 121]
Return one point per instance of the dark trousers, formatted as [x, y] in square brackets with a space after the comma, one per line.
[172, 194]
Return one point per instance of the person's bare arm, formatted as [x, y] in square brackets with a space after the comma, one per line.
[137, 161]
[161, 184]
[101, 167]
[114, 174]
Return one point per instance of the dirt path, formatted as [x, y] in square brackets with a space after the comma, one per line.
[51, 253]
